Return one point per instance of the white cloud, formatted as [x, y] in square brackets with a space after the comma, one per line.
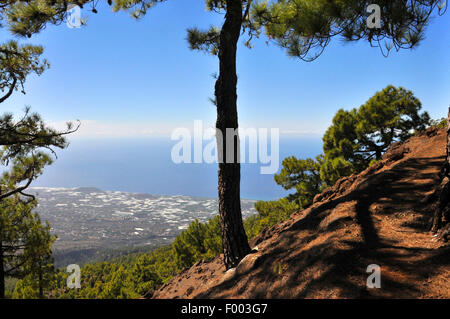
[296, 132]
[100, 129]
[97, 129]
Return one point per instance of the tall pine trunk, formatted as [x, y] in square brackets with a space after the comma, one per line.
[234, 239]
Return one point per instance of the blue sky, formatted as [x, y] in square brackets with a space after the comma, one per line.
[138, 78]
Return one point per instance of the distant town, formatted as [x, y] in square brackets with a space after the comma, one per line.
[89, 217]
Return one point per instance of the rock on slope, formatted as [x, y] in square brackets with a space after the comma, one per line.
[380, 216]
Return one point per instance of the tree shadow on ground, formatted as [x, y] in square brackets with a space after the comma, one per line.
[337, 268]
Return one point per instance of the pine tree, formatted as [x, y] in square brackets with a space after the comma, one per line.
[25, 243]
[23, 140]
[39, 268]
[355, 139]
[304, 176]
[303, 27]
[360, 136]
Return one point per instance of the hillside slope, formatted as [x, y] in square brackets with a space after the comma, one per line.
[380, 216]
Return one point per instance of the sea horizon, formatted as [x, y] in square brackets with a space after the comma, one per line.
[144, 165]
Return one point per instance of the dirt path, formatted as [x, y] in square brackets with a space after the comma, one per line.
[380, 216]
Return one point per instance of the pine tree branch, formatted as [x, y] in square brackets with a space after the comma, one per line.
[10, 91]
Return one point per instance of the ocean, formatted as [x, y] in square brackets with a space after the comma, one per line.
[144, 165]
